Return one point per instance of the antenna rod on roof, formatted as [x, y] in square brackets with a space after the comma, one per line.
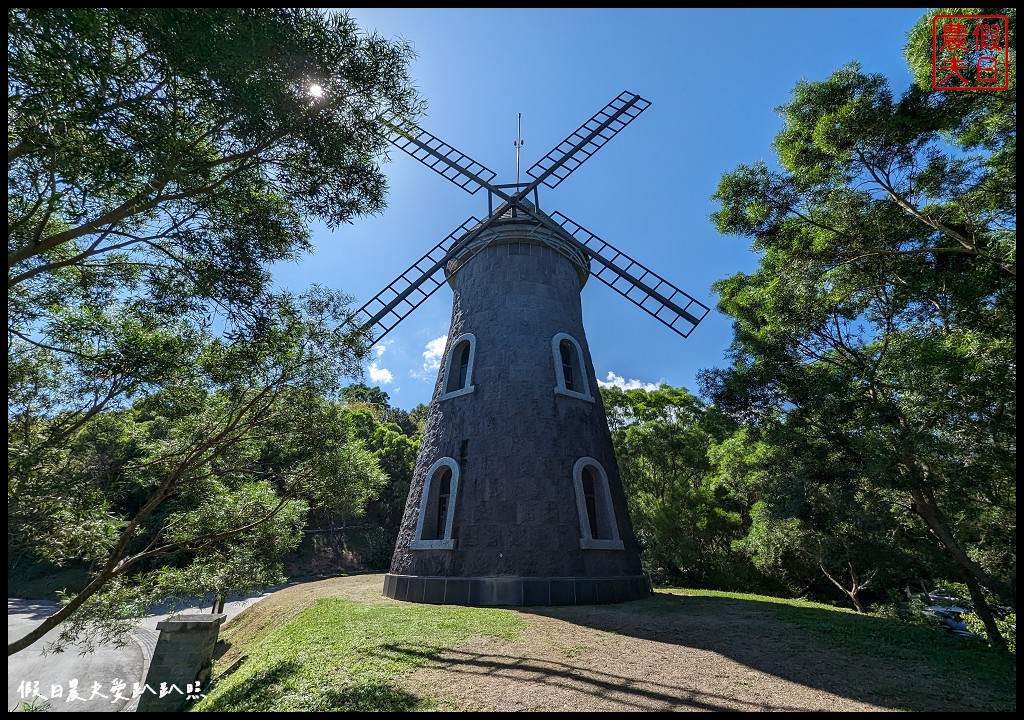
[518, 143]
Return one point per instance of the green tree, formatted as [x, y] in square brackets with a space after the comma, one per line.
[189, 143]
[379, 403]
[685, 521]
[359, 392]
[396, 452]
[812, 513]
[881, 321]
[159, 159]
[370, 420]
[199, 486]
[394, 445]
[418, 417]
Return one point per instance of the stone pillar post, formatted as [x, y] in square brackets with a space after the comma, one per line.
[182, 657]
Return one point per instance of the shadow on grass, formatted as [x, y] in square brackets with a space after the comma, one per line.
[885, 663]
[285, 686]
[533, 673]
[869, 659]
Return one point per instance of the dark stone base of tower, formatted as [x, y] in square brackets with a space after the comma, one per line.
[516, 497]
[487, 591]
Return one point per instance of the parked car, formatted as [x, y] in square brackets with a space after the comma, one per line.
[950, 617]
[939, 596]
[944, 607]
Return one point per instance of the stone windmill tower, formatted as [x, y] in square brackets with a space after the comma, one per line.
[516, 497]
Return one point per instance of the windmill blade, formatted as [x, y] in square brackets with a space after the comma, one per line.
[439, 156]
[591, 136]
[643, 287]
[410, 289]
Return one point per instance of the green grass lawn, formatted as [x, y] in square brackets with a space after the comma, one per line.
[889, 641]
[342, 655]
[338, 645]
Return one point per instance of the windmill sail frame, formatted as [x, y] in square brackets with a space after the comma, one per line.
[673, 307]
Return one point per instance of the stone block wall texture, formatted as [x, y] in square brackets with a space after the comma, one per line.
[516, 512]
[181, 658]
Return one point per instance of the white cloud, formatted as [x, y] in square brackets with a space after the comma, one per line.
[618, 381]
[432, 358]
[379, 374]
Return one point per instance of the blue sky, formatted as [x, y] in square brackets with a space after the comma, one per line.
[713, 78]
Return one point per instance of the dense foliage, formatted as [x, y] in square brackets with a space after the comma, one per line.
[861, 446]
[171, 417]
[874, 358]
[176, 425]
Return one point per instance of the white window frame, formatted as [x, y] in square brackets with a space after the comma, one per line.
[556, 353]
[449, 362]
[446, 542]
[603, 507]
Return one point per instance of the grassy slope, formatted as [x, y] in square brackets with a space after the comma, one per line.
[339, 645]
[307, 651]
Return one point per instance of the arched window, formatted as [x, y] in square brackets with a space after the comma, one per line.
[590, 500]
[458, 367]
[570, 371]
[437, 507]
[458, 380]
[598, 529]
[434, 529]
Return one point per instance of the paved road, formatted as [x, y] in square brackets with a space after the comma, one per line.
[100, 681]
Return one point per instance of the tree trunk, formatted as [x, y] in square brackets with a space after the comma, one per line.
[972, 574]
[62, 614]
